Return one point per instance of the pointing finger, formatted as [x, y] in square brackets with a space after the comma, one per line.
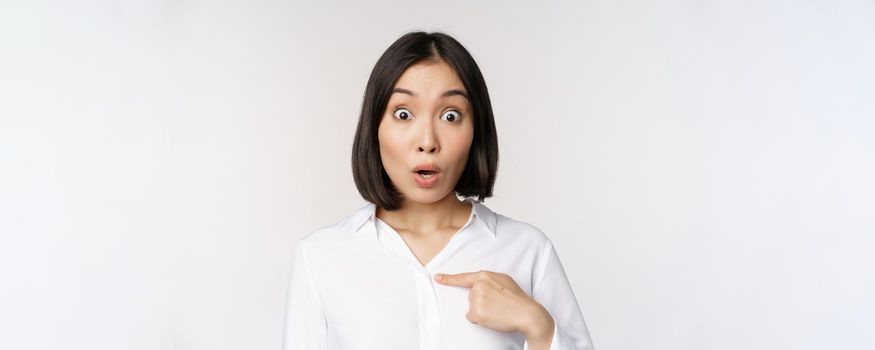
[465, 279]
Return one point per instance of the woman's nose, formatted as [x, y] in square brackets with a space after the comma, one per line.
[428, 142]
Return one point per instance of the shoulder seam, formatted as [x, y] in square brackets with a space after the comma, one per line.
[312, 285]
[548, 246]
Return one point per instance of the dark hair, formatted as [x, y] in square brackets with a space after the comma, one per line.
[370, 177]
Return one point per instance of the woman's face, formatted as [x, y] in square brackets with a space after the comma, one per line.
[427, 123]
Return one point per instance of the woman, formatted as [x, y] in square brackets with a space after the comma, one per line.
[417, 267]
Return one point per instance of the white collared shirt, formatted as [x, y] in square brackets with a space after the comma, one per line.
[357, 285]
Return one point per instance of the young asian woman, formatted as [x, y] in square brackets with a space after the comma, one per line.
[425, 264]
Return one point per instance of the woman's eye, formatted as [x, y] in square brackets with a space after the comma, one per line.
[403, 114]
[451, 116]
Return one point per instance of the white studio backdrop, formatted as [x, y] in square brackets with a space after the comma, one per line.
[706, 169]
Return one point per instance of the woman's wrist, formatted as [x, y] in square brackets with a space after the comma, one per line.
[539, 330]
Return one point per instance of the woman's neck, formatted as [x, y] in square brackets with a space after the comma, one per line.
[423, 218]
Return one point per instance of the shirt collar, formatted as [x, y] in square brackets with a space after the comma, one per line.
[485, 216]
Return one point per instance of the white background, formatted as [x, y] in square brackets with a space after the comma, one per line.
[706, 169]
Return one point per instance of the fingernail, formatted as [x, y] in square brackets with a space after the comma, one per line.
[438, 277]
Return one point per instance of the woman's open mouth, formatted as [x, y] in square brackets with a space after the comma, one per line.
[426, 178]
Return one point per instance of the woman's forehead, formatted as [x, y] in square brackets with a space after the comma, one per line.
[430, 80]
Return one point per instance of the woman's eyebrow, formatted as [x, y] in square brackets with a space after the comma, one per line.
[448, 93]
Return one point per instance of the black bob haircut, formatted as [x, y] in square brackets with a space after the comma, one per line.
[370, 177]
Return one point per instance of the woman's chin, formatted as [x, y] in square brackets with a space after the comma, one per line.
[426, 195]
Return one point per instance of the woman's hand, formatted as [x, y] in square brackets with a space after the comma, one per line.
[496, 301]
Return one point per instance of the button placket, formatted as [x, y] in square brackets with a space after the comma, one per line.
[429, 326]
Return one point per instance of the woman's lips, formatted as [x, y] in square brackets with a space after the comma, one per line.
[426, 181]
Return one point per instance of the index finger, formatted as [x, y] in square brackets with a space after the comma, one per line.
[465, 279]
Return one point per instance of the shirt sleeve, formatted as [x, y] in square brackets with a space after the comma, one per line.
[305, 325]
[553, 291]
